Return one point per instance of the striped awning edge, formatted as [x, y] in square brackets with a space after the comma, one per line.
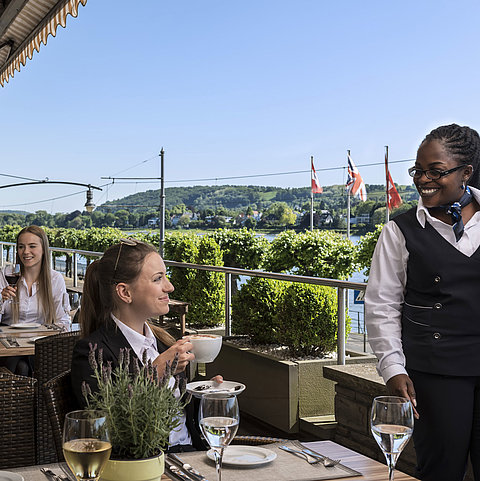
[47, 26]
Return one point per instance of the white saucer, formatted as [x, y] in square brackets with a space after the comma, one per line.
[245, 455]
[9, 476]
[25, 325]
[225, 386]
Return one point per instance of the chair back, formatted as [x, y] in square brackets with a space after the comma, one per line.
[17, 420]
[59, 400]
[53, 356]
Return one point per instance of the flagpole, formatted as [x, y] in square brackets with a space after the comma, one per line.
[348, 204]
[386, 184]
[311, 194]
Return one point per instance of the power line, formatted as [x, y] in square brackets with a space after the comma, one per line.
[151, 180]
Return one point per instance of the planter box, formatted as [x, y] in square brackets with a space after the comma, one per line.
[279, 392]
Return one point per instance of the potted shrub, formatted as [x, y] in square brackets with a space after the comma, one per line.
[141, 410]
[290, 331]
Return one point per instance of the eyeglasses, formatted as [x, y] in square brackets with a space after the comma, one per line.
[126, 242]
[432, 174]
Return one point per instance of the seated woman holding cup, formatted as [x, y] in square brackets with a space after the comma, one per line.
[122, 290]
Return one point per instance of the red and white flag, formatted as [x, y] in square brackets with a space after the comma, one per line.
[355, 184]
[316, 187]
[393, 198]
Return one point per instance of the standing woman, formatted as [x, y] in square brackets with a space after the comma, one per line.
[421, 304]
[40, 291]
[122, 290]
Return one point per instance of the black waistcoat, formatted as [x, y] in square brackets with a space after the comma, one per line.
[441, 314]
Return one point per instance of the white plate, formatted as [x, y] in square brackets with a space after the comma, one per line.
[245, 455]
[225, 386]
[8, 476]
[25, 325]
[33, 339]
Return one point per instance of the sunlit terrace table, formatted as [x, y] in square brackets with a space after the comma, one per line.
[371, 470]
[24, 337]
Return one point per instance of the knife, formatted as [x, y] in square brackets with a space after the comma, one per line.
[176, 471]
[187, 467]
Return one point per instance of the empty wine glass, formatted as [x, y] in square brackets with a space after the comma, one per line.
[86, 444]
[12, 275]
[219, 418]
[392, 426]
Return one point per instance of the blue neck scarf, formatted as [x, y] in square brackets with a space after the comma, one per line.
[455, 210]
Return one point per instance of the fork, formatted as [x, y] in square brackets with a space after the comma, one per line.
[49, 473]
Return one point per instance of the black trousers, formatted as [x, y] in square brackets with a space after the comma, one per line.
[449, 426]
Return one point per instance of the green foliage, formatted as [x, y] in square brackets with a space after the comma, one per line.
[254, 308]
[202, 289]
[141, 409]
[307, 319]
[240, 248]
[366, 246]
[318, 253]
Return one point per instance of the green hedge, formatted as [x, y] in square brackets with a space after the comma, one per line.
[254, 308]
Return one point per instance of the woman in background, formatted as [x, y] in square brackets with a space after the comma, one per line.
[421, 304]
[40, 294]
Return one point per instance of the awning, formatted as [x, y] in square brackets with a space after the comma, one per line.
[25, 25]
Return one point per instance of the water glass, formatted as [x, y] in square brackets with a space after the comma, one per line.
[219, 418]
[391, 423]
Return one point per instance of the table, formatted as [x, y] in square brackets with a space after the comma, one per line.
[33, 473]
[371, 470]
[22, 334]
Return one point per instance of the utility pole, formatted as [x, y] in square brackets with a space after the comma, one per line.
[162, 202]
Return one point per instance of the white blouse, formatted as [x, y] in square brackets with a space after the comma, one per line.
[148, 343]
[29, 309]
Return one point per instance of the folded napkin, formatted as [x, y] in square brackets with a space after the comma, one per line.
[285, 467]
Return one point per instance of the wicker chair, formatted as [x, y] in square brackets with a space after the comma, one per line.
[53, 356]
[17, 420]
[59, 400]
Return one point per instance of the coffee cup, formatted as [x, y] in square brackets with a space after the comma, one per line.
[205, 346]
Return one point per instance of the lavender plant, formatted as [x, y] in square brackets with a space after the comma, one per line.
[141, 409]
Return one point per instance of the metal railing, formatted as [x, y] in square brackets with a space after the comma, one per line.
[341, 286]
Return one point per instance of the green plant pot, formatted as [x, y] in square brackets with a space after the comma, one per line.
[150, 469]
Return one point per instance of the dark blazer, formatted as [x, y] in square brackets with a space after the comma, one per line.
[111, 340]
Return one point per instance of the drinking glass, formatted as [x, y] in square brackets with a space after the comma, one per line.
[86, 444]
[392, 426]
[12, 274]
[219, 418]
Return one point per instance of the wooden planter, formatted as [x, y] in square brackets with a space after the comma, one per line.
[279, 392]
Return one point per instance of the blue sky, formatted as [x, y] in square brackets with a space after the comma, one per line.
[232, 89]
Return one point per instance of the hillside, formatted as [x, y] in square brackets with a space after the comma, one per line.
[239, 197]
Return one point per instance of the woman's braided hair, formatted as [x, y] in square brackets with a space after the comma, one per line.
[463, 144]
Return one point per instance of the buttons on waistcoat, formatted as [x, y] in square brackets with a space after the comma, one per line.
[437, 305]
[437, 279]
[437, 335]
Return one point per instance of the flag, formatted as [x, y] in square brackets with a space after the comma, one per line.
[316, 187]
[355, 184]
[393, 198]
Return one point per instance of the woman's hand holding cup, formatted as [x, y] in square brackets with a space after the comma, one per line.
[183, 348]
[8, 292]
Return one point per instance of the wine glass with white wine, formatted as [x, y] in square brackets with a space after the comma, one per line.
[392, 427]
[86, 444]
[219, 418]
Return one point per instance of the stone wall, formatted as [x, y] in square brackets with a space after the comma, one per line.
[356, 386]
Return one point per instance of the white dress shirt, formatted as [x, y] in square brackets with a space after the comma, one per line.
[148, 342]
[29, 309]
[387, 280]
